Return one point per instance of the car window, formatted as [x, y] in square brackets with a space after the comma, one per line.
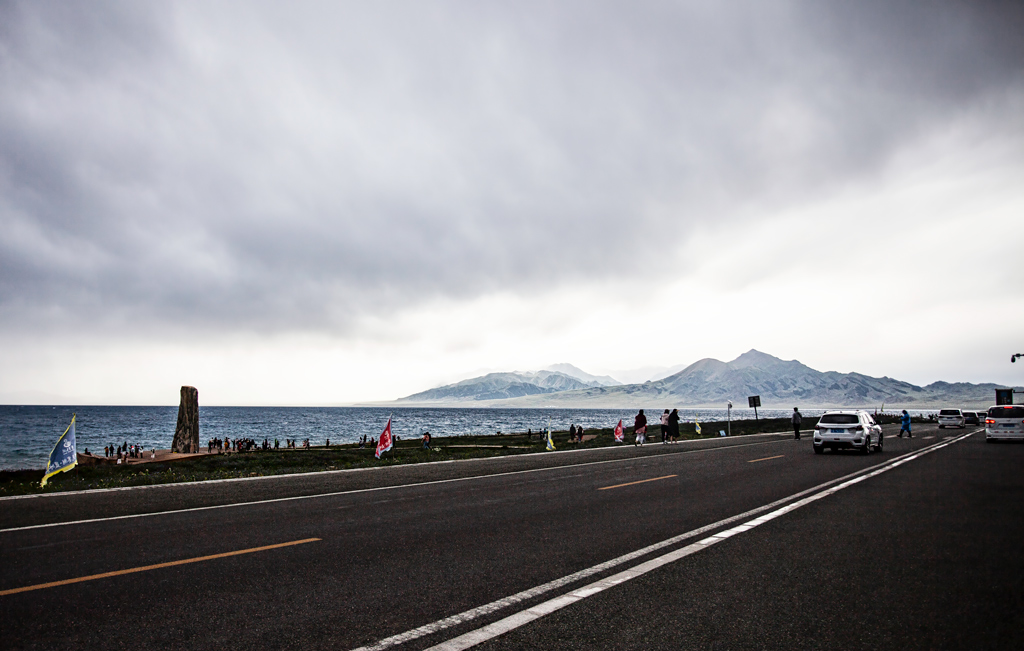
[1006, 412]
[949, 412]
[839, 419]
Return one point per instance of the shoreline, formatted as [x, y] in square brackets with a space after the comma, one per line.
[289, 461]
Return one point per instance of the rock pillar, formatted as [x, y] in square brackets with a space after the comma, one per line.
[186, 434]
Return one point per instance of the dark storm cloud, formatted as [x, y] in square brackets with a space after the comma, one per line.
[290, 166]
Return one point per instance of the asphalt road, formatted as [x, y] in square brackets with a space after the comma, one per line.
[923, 554]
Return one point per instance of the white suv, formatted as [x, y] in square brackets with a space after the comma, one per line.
[841, 430]
[1005, 422]
[951, 418]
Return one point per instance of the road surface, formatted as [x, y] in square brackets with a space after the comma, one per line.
[749, 542]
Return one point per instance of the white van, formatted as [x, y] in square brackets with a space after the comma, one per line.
[1005, 422]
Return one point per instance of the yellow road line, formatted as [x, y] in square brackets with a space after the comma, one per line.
[642, 481]
[93, 577]
[766, 458]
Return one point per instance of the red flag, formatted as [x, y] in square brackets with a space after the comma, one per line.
[618, 432]
[384, 444]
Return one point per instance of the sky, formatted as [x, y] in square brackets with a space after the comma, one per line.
[321, 203]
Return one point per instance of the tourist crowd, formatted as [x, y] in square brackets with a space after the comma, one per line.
[123, 451]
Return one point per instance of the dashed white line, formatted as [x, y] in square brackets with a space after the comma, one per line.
[347, 492]
[516, 620]
[92, 491]
[549, 606]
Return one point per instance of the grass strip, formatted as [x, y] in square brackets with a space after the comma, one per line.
[316, 459]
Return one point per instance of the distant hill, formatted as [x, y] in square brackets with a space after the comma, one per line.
[755, 373]
[583, 376]
[501, 386]
[710, 382]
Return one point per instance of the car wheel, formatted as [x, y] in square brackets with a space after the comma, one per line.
[880, 439]
[866, 448]
[818, 449]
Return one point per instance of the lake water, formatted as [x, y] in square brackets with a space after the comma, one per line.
[28, 433]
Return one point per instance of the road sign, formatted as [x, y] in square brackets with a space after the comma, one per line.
[754, 402]
[1004, 396]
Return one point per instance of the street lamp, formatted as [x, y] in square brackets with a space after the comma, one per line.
[1013, 358]
[728, 409]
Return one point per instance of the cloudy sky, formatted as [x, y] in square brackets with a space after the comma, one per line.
[326, 203]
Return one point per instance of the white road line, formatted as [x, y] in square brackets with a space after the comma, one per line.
[362, 490]
[526, 595]
[516, 620]
[318, 473]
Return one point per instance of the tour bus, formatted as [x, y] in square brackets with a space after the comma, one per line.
[1005, 422]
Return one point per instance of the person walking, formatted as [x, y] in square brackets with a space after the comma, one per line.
[640, 428]
[673, 426]
[796, 423]
[664, 427]
[905, 425]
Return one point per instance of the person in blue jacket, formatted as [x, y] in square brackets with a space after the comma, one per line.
[905, 425]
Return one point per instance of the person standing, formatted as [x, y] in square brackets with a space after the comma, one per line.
[796, 423]
[905, 425]
[640, 428]
[664, 427]
[673, 426]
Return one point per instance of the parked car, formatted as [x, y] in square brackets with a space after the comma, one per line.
[951, 418]
[973, 418]
[844, 430]
[1005, 422]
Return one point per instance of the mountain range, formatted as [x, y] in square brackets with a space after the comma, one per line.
[707, 382]
[501, 386]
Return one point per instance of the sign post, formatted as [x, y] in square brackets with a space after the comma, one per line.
[754, 402]
[1014, 396]
[729, 416]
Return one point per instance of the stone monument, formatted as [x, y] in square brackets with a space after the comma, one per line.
[186, 434]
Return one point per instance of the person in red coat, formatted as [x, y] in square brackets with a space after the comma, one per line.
[640, 428]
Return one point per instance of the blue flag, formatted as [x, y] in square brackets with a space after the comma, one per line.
[64, 455]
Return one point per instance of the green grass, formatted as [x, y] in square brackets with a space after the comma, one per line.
[279, 462]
